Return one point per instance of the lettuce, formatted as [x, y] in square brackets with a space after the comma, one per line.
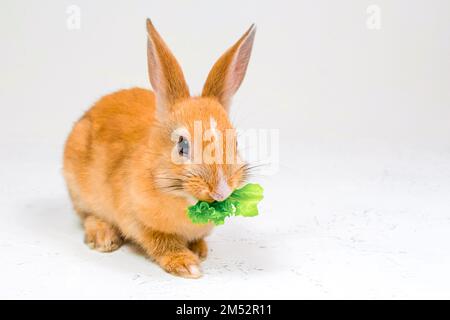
[242, 202]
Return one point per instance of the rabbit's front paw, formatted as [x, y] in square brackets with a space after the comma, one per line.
[184, 264]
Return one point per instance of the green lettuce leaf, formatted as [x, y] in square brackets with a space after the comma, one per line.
[242, 202]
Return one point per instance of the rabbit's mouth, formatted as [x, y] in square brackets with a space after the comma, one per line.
[201, 183]
[222, 191]
[220, 196]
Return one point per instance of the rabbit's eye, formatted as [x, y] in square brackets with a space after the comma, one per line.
[183, 147]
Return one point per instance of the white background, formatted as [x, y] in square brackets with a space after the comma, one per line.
[360, 206]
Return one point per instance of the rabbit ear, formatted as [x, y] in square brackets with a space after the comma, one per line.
[165, 73]
[227, 74]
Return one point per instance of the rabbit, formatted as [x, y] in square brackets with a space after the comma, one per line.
[119, 159]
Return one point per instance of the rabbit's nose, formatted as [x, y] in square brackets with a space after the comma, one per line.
[222, 190]
[219, 196]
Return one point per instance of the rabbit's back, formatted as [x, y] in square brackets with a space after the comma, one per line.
[122, 117]
[100, 145]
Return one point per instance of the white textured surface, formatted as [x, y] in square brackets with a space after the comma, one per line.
[373, 229]
[361, 205]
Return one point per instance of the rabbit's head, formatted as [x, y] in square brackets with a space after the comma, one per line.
[193, 139]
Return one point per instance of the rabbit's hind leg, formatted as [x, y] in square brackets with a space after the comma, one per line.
[101, 235]
[200, 248]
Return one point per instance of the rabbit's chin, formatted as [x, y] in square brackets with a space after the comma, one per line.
[190, 199]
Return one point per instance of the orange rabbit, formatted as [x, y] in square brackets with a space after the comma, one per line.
[119, 159]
